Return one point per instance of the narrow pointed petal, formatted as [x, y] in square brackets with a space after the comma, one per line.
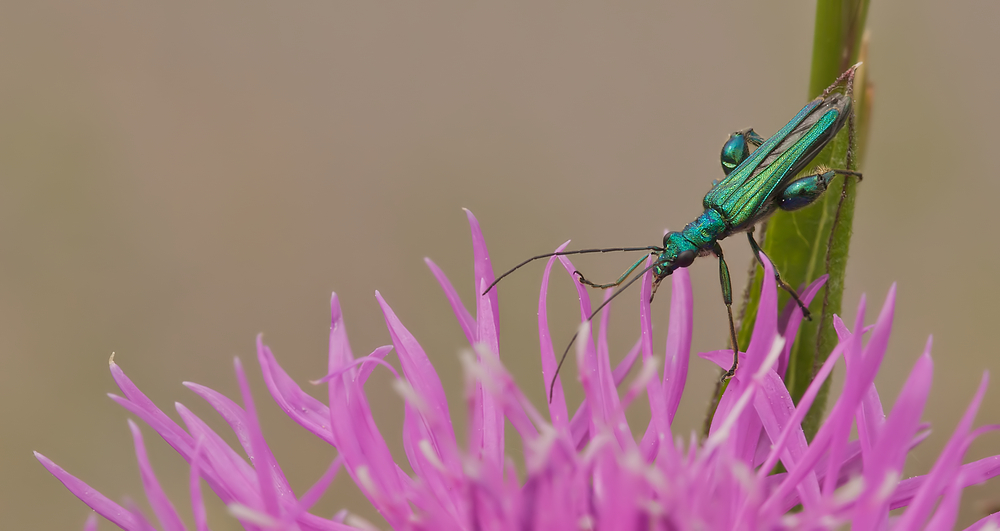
[110, 510]
[766, 326]
[487, 415]
[143, 523]
[776, 410]
[944, 470]
[605, 376]
[794, 424]
[658, 430]
[947, 511]
[158, 420]
[482, 265]
[990, 522]
[236, 477]
[791, 318]
[340, 353]
[557, 404]
[269, 476]
[237, 420]
[356, 435]
[421, 375]
[366, 369]
[308, 412]
[174, 435]
[465, 319]
[679, 334]
[748, 427]
[587, 363]
[886, 463]
[91, 524]
[194, 485]
[838, 425]
[158, 500]
[583, 471]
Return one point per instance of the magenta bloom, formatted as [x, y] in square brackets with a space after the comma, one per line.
[588, 470]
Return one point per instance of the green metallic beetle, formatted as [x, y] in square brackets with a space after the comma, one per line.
[756, 184]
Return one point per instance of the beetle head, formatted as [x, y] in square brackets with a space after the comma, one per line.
[677, 252]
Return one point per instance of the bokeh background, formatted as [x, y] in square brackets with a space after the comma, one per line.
[176, 177]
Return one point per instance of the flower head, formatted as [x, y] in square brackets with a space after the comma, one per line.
[588, 470]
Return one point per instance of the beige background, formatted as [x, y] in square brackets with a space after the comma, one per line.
[179, 176]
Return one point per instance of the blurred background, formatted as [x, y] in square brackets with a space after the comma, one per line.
[178, 177]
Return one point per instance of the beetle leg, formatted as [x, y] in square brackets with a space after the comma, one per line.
[752, 137]
[804, 191]
[777, 276]
[618, 282]
[727, 297]
[737, 149]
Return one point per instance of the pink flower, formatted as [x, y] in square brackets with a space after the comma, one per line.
[588, 470]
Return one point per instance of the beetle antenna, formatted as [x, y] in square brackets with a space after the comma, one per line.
[552, 385]
[565, 253]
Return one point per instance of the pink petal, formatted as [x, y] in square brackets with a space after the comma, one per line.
[150, 414]
[173, 434]
[307, 500]
[194, 485]
[308, 412]
[837, 424]
[367, 368]
[158, 500]
[91, 524]
[237, 420]
[658, 430]
[946, 467]
[861, 371]
[143, 523]
[722, 358]
[356, 435]
[791, 318]
[588, 368]
[340, 348]
[483, 268]
[440, 480]
[487, 415]
[421, 375]
[776, 411]
[794, 424]
[890, 451]
[110, 510]
[614, 415]
[557, 403]
[236, 478]
[766, 325]
[465, 319]
[580, 424]
[992, 520]
[679, 335]
[270, 478]
[947, 511]
[748, 427]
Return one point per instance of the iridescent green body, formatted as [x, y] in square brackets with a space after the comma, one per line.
[754, 187]
[761, 182]
[756, 184]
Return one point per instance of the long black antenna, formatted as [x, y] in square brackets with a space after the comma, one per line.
[565, 253]
[552, 385]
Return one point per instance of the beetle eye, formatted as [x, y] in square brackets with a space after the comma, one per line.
[685, 259]
[734, 151]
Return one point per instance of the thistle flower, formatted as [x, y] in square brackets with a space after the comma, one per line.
[588, 470]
